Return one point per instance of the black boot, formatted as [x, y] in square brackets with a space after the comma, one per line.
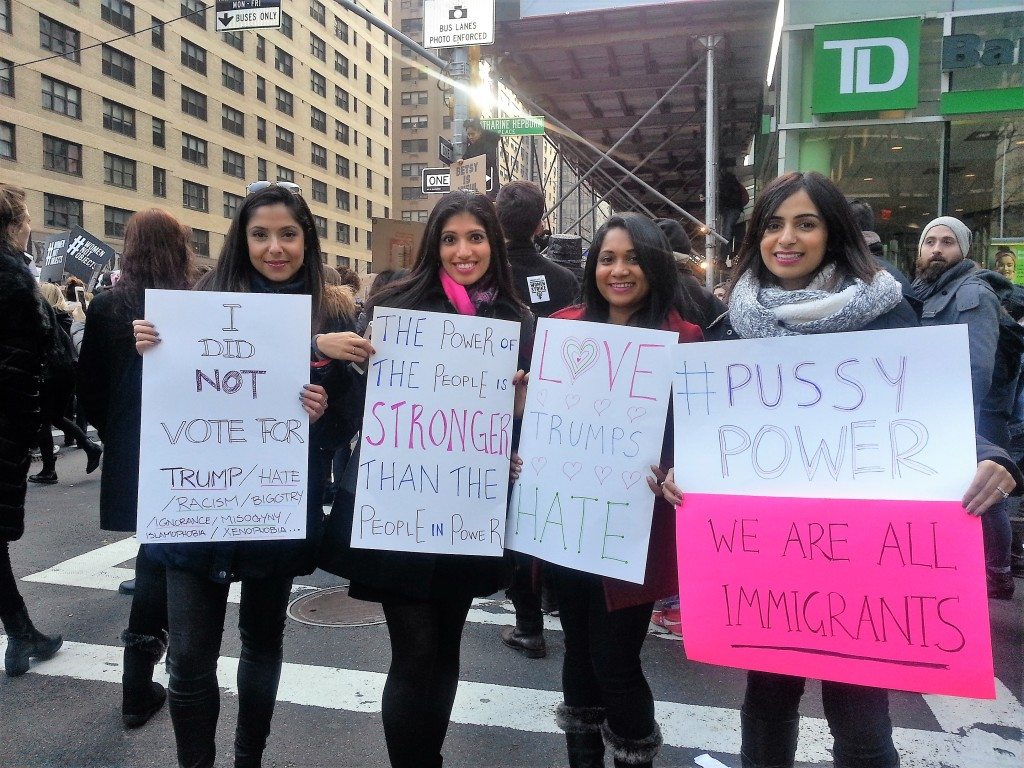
[141, 697]
[632, 753]
[768, 744]
[44, 477]
[93, 453]
[530, 645]
[582, 726]
[24, 641]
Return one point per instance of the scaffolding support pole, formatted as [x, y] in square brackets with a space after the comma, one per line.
[710, 43]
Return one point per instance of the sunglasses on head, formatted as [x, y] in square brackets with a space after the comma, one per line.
[259, 186]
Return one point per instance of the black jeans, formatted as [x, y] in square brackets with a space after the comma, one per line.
[858, 716]
[602, 654]
[149, 600]
[525, 599]
[423, 678]
[195, 610]
[10, 597]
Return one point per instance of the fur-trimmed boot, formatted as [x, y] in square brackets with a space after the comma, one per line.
[25, 642]
[768, 744]
[632, 753]
[582, 726]
[141, 696]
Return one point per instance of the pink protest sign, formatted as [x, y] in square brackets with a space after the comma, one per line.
[872, 592]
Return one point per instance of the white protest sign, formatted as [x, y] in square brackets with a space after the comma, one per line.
[594, 424]
[224, 438]
[866, 415]
[437, 434]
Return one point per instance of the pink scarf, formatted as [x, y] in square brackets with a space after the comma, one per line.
[457, 294]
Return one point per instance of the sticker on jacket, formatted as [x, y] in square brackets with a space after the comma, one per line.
[538, 285]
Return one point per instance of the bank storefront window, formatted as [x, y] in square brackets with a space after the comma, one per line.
[892, 167]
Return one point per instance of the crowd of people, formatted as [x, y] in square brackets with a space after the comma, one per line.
[804, 266]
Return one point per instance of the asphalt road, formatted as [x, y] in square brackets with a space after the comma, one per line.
[66, 712]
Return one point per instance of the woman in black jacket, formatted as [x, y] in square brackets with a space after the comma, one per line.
[157, 254]
[271, 247]
[461, 268]
[22, 339]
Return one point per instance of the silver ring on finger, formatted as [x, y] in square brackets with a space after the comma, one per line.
[1005, 494]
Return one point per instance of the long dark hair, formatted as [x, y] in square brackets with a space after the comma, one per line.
[234, 270]
[422, 282]
[845, 246]
[13, 210]
[157, 254]
[654, 255]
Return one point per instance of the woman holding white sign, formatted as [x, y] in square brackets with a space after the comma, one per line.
[271, 247]
[803, 268]
[461, 268]
[630, 278]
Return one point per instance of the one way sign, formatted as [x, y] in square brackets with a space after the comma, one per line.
[437, 181]
[235, 15]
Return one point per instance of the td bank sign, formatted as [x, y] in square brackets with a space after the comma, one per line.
[866, 66]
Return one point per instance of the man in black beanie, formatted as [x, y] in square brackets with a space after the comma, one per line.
[696, 295]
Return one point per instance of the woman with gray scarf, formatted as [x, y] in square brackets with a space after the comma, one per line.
[804, 268]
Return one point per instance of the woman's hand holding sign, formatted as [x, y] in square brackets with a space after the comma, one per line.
[346, 345]
[664, 484]
[146, 336]
[992, 483]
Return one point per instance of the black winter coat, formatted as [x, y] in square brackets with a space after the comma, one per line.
[559, 284]
[22, 346]
[379, 575]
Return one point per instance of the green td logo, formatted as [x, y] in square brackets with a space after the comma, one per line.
[866, 66]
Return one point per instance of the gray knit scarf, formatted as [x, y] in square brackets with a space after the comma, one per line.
[757, 311]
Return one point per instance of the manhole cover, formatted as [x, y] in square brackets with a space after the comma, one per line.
[332, 607]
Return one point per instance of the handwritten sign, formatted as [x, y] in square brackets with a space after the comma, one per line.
[224, 439]
[437, 434]
[594, 424]
[470, 174]
[821, 532]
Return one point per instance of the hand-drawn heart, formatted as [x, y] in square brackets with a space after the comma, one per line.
[542, 395]
[602, 473]
[629, 479]
[571, 400]
[538, 464]
[636, 412]
[579, 356]
[602, 405]
[571, 468]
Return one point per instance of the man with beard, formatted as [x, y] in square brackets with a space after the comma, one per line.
[955, 290]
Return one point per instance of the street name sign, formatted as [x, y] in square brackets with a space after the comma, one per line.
[514, 126]
[454, 23]
[235, 15]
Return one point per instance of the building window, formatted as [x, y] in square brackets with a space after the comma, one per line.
[321, 225]
[55, 37]
[158, 83]
[412, 26]
[414, 121]
[340, 98]
[232, 120]
[201, 242]
[317, 47]
[114, 220]
[387, 97]
[159, 182]
[193, 149]
[6, 22]
[369, 180]
[261, 129]
[318, 83]
[195, 196]
[410, 74]
[119, 66]
[286, 25]
[7, 146]
[118, 13]
[387, 191]
[341, 131]
[159, 132]
[6, 78]
[62, 156]
[283, 62]
[193, 103]
[285, 140]
[318, 156]
[285, 174]
[193, 56]
[232, 77]
[341, 166]
[446, 122]
[231, 203]
[369, 83]
[318, 119]
[317, 11]
[319, 191]
[413, 145]
[369, 116]
[261, 48]
[341, 64]
[261, 169]
[413, 169]
[156, 36]
[118, 118]
[194, 11]
[343, 234]
[118, 171]
[235, 40]
[234, 164]
[340, 30]
[369, 53]
[387, 153]
[61, 212]
[387, 68]
[412, 193]
[284, 100]
[341, 199]
[261, 89]
[410, 98]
